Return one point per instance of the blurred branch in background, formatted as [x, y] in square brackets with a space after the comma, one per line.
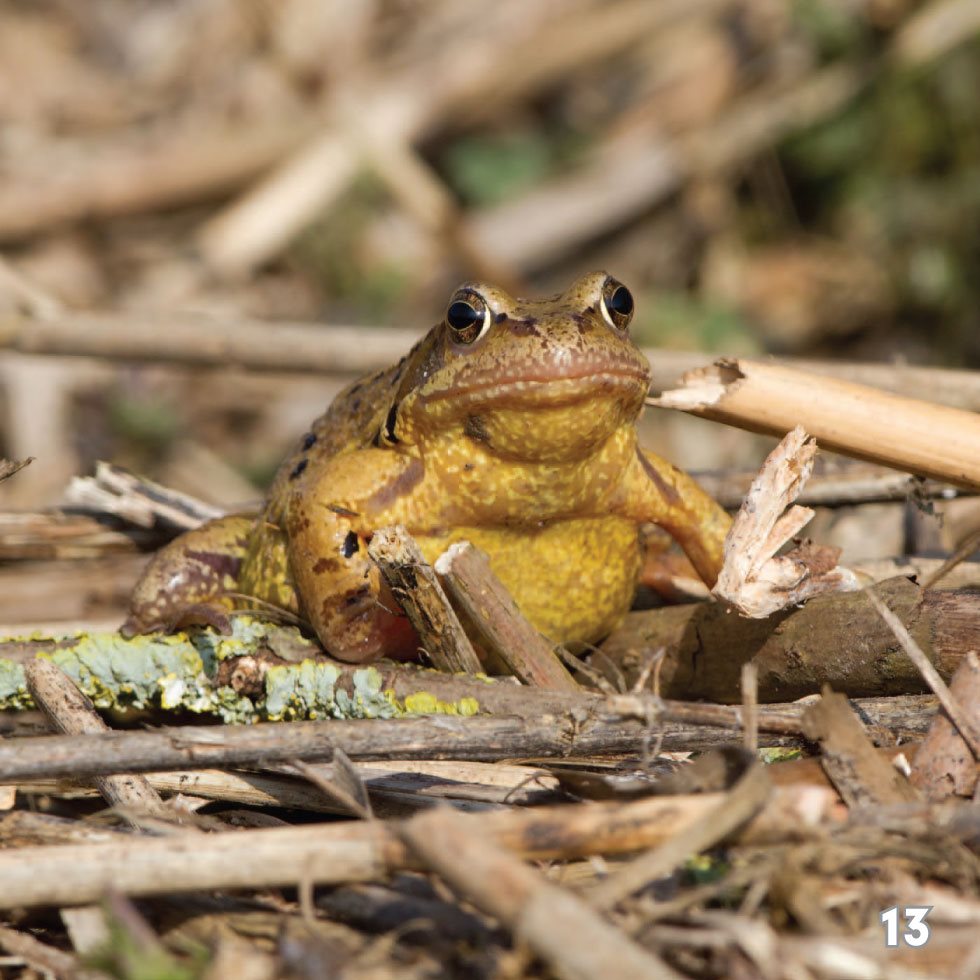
[204, 341]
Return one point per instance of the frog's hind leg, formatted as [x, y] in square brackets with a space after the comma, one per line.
[198, 568]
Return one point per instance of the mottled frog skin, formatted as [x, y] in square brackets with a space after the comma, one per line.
[511, 425]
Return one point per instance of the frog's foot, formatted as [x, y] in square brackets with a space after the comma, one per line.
[213, 614]
[188, 580]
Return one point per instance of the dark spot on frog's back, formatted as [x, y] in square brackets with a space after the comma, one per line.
[475, 428]
[325, 565]
[356, 597]
[309, 441]
[350, 546]
[668, 492]
[298, 468]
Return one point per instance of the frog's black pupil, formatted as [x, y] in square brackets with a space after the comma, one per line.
[621, 301]
[462, 315]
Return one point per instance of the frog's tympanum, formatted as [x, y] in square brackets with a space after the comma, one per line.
[511, 425]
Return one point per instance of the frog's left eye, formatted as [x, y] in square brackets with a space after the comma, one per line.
[468, 317]
[616, 304]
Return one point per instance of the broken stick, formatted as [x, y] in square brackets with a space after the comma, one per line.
[847, 418]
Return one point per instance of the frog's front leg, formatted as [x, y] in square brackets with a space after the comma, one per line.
[329, 522]
[656, 492]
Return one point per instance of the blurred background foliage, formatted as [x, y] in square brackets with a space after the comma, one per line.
[791, 176]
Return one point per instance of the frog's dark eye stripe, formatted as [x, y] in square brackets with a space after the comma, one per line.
[387, 433]
[468, 316]
[616, 304]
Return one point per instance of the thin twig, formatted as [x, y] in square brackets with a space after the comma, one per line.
[750, 706]
[929, 673]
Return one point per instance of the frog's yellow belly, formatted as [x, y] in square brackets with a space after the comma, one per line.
[574, 580]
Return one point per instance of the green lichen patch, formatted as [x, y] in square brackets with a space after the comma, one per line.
[249, 635]
[304, 691]
[178, 672]
[423, 703]
[13, 687]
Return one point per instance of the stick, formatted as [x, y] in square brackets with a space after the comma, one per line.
[847, 418]
[8, 467]
[797, 651]
[750, 706]
[71, 713]
[851, 762]
[116, 178]
[445, 737]
[857, 484]
[50, 534]
[754, 579]
[366, 851]
[139, 501]
[194, 339]
[47, 959]
[962, 721]
[944, 765]
[675, 720]
[571, 938]
[494, 615]
[419, 593]
[411, 786]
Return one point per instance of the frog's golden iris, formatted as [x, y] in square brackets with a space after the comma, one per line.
[511, 424]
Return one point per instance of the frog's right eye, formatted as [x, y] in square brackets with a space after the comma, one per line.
[468, 317]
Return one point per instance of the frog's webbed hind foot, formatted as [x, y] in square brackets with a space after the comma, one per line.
[214, 613]
[190, 579]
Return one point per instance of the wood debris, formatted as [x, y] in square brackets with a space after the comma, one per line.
[842, 416]
[754, 579]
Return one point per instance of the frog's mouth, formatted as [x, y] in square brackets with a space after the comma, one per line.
[548, 388]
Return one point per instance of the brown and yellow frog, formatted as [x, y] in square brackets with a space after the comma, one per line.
[512, 425]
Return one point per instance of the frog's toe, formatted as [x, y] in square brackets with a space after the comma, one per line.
[137, 624]
[213, 614]
[202, 614]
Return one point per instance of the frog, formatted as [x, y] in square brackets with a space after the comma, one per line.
[511, 425]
